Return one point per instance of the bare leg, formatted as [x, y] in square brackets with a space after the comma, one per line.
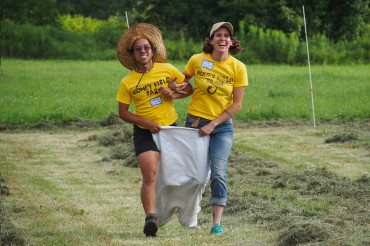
[217, 214]
[148, 162]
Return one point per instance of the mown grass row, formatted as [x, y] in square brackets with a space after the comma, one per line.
[55, 90]
[285, 200]
[301, 204]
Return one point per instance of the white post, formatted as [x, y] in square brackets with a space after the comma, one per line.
[128, 26]
[309, 68]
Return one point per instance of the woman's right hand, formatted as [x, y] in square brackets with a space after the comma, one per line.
[153, 127]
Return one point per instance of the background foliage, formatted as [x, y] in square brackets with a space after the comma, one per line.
[270, 31]
[337, 19]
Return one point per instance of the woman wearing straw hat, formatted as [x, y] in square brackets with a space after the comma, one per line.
[220, 81]
[141, 50]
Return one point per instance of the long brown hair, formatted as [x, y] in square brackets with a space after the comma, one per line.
[234, 49]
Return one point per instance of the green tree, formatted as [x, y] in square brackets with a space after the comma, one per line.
[192, 17]
[347, 18]
[336, 19]
[100, 9]
[37, 12]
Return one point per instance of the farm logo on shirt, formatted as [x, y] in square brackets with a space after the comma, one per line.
[211, 90]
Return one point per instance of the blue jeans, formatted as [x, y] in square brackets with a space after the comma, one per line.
[221, 140]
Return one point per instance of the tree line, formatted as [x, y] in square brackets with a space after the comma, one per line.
[270, 31]
[336, 19]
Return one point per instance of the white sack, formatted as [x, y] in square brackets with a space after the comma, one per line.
[183, 172]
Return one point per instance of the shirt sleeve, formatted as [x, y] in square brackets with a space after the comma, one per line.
[180, 76]
[242, 77]
[189, 68]
[123, 94]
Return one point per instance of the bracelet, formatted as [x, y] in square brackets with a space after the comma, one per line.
[228, 113]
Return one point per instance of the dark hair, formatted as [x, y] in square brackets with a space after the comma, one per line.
[234, 49]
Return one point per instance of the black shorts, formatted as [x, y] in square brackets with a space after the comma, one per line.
[143, 140]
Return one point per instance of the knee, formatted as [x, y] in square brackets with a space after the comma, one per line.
[218, 174]
[218, 169]
[149, 178]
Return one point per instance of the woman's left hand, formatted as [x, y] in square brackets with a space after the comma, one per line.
[177, 87]
[167, 92]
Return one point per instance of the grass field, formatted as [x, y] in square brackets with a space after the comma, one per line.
[68, 174]
[35, 91]
[288, 185]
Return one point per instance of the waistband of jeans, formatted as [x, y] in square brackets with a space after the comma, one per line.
[197, 117]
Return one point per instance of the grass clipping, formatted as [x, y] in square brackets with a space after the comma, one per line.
[303, 205]
[308, 205]
[9, 234]
[120, 144]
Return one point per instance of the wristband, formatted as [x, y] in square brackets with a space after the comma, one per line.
[227, 112]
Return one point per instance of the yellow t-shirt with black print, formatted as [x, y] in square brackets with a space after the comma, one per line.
[214, 84]
[149, 103]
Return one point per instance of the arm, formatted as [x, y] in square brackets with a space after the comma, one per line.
[127, 116]
[238, 94]
[187, 90]
[182, 90]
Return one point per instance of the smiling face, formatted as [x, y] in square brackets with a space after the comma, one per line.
[143, 52]
[221, 40]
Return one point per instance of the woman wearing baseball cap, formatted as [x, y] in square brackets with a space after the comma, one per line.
[141, 50]
[220, 81]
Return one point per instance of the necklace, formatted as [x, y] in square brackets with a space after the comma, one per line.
[145, 71]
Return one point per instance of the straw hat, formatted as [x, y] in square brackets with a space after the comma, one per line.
[140, 30]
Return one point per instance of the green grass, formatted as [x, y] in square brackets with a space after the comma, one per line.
[280, 92]
[34, 91]
[287, 185]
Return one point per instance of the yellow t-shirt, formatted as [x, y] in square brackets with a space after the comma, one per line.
[150, 104]
[214, 84]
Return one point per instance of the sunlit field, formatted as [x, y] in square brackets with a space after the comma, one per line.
[34, 91]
